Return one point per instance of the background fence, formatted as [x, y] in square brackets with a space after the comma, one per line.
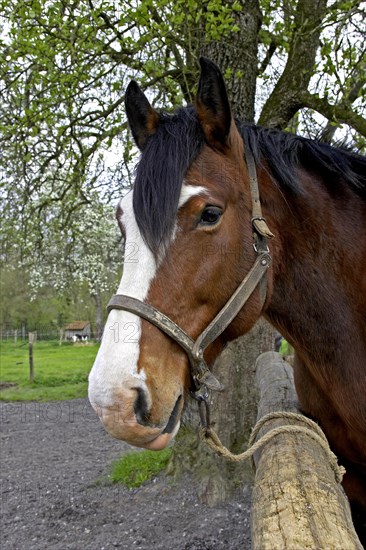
[44, 332]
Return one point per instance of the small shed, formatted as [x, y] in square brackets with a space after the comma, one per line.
[78, 330]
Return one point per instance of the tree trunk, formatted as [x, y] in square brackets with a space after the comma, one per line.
[297, 501]
[233, 411]
[233, 416]
[237, 57]
[98, 315]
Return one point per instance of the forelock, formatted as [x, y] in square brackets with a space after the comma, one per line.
[168, 154]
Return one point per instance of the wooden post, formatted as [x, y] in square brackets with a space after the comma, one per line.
[297, 503]
[31, 339]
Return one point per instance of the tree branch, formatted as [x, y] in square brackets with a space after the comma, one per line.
[285, 99]
[341, 113]
[357, 82]
[267, 58]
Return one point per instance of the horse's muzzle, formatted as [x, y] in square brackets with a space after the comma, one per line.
[128, 420]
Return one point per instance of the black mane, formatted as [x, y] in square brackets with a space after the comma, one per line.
[178, 141]
[160, 173]
[284, 153]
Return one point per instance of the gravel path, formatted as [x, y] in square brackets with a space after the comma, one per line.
[52, 456]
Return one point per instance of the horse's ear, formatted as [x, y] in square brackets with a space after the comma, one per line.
[213, 108]
[142, 118]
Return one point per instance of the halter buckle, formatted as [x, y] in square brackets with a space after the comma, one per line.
[260, 226]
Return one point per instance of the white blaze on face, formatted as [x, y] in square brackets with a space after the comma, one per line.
[117, 359]
[189, 191]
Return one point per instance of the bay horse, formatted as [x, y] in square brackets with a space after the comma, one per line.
[189, 225]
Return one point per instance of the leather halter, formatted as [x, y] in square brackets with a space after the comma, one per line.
[202, 376]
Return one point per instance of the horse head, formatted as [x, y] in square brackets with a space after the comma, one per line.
[188, 235]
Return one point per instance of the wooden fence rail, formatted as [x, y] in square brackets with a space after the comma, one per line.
[297, 502]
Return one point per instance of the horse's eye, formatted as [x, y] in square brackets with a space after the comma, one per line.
[211, 215]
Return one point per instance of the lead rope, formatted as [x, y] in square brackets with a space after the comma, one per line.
[311, 429]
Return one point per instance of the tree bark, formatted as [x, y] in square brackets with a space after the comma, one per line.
[237, 58]
[297, 502]
[98, 315]
[234, 410]
[233, 416]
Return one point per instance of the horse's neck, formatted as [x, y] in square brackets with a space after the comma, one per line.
[319, 284]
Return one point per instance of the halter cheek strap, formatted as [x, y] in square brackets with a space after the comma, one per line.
[202, 376]
[195, 349]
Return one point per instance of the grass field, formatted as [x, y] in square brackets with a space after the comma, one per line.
[135, 468]
[60, 372]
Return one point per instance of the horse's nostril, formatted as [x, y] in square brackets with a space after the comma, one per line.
[141, 408]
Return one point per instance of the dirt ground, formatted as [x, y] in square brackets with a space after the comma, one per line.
[53, 456]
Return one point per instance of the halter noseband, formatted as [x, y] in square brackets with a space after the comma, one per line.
[201, 374]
